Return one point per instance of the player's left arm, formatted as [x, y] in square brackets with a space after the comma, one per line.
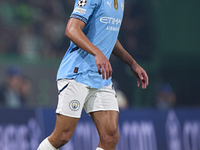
[137, 70]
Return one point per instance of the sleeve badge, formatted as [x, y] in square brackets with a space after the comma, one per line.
[81, 3]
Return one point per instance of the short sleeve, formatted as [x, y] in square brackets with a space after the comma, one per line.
[83, 9]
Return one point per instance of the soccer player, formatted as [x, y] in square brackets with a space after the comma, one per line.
[84, 75]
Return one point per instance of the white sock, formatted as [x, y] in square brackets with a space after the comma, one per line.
[98, 148]
[46, 145]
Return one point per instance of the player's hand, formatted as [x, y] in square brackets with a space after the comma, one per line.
[141, 75]
[103, 66]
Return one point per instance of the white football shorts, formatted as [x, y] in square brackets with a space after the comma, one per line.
[74, 96]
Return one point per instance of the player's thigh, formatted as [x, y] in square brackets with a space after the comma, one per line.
[65, 123]
[106, 122]
[63, 131]
[71, 98]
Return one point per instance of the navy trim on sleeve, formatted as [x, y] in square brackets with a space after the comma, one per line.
[79, 17]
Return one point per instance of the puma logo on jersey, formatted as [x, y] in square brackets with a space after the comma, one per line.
[109, 4]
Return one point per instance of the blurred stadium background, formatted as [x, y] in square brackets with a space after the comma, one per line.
[162, 36]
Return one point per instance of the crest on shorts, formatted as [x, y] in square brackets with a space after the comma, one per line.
[81, 3]
[74, 105]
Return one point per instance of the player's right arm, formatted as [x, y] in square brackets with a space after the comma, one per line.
[75, 34]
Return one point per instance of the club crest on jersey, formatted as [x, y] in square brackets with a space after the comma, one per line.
[81, 3]
[122, 6]
[74, 105]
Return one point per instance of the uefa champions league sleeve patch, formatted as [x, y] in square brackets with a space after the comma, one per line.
[81, 3]
[79, 10]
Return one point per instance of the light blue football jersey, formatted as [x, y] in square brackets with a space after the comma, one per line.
[102, 25]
